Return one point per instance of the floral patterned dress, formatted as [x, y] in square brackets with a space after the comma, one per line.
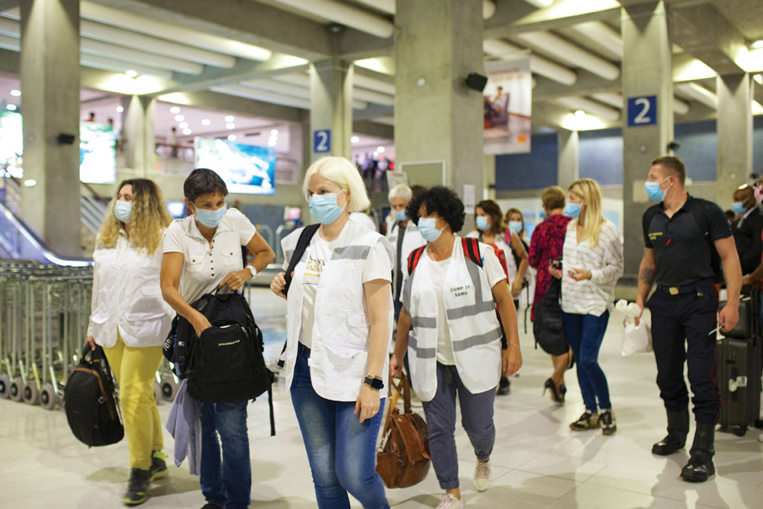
[546, 244]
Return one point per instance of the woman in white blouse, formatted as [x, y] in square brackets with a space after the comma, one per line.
[130, 320]
[592, 263]
[338, 326]
[203, 252]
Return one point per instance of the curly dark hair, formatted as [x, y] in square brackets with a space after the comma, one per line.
[203, 181]
[440, 200]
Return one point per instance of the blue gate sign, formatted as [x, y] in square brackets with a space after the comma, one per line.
[642, 110]
[322, 141]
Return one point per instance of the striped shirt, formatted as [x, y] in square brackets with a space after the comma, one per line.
[604, 262]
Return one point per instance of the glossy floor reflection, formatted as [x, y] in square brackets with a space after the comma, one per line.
[537, 463]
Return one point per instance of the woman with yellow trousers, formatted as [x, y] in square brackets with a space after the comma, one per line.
[130, 320]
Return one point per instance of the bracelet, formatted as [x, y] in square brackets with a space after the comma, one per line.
[515, 344]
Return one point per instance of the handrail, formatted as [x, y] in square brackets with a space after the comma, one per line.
[48, 256]
[93, 193]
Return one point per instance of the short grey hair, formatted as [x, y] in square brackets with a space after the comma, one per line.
[400, 191]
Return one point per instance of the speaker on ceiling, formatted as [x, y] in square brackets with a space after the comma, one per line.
[476, 81]
[66, 139]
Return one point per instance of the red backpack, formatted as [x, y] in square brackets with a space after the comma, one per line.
[471, 248]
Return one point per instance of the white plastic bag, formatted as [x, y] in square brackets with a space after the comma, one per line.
[637, 339]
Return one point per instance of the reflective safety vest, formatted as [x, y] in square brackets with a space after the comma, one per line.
[474, 329]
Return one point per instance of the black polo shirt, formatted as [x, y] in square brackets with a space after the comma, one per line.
[683, 255]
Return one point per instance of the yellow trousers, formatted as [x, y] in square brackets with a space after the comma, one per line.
[135, 370]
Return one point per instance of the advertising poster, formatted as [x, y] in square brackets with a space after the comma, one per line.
[11, 144]
[246, 169]
[97, 153]
[507, 106]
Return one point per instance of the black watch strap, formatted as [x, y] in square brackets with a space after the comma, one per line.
[375, 383]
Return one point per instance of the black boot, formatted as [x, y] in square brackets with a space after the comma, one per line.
[678, 428]
[700, 466]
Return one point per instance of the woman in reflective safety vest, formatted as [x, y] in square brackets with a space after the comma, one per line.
[454, 343]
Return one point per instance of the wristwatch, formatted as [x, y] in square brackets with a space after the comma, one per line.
[375, 383]
[252, 270]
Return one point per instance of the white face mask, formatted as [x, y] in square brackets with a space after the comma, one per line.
[123, 211]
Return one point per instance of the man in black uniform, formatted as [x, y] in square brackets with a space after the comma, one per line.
[747, 228]
[679, 234]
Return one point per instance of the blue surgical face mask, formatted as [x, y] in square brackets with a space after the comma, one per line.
[543, 214]
[400, 215]
[482, 223]
[515, 226]
[653, 190]
[572, 210]
[123, 211]
[428, 229]
[324, 208]
[211, 218]
[738, 207]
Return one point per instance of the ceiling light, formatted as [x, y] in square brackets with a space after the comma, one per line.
[120, 109]
[174, 110]
[131, 73]
[16, 93]
[380, 149]
[30, 183]
[231, 137]
[758, 78]
[355, 139]
[229, 118]
[206, 121]
[580, 113]
[230, 125]
[10, 107]
[274, 132]
[179, 118]
[183, 125]
[757, 44]
[187, 132]
[272, 143]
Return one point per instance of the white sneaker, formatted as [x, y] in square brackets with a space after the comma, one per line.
[450, 502]
[760, 438]
[482, 475]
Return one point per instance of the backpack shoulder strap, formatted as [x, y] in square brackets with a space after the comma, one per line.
[304, 240]
[413, 258]
[700, 216]
[646, 220]
[471, 248]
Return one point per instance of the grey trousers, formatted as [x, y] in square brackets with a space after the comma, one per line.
[476, 418]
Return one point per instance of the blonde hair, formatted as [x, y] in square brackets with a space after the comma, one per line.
[344, 174]
[553, 197]
[593, 220]
[149, 217]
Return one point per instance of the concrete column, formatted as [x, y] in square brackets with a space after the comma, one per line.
[568, 169]
[331, 105]
[646, 71]
[437, 118]
[138, 139]
[50, 86]
[489, 177]
[734, 135]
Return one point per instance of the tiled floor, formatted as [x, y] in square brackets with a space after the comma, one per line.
[537, 462]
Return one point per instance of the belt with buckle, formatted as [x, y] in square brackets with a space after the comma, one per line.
[690, 288]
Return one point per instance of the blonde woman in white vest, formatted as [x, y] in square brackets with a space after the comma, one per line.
[338, 332]
[130, 320]
[454, 346]
[592, 263]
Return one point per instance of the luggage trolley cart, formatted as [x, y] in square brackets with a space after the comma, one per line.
[11, 320]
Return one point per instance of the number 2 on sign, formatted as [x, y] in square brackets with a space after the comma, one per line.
[322, 138]
[642, 117]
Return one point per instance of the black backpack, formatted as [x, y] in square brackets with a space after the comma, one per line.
[226, 363]
[700, 216]
[90, 403]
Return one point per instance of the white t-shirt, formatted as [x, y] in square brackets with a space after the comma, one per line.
[205, 264]
[377, 266]
[437, 272]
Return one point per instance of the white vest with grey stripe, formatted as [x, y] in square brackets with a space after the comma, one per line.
[339, 354]
[474, 329]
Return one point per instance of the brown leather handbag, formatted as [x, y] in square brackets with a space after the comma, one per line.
[403, 457]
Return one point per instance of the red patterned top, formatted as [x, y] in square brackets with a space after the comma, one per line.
[546, 244]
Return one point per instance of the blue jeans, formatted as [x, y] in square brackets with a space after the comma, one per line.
[341, 451]
[585, 334]
[227, 480]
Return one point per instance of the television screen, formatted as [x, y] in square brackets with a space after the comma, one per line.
[97, 153]
[11, 144]
[176, 209]
[246, 169]
[292, 214]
